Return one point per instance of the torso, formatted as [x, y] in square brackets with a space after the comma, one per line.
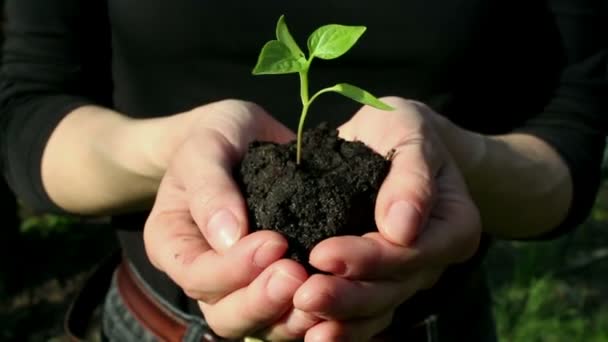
[482, 63]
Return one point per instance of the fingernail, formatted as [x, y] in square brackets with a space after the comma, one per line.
[402, 223]
[268, 253]
[282, 286]
[224, 229]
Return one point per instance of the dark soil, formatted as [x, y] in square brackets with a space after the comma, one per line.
[332, 192]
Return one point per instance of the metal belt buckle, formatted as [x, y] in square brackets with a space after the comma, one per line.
[430, 327]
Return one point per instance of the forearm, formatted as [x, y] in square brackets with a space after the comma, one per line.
[98, 161]
[521, 185]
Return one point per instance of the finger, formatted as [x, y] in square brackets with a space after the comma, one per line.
[215, 202]
[369, 257]
[291, 326]
[206, 162]
[175, 245]
[336, 298]
[454, 229]
[357, 330]
[241, 122]
[219, 209]
[406, 196]
[258, 305]
[452, 235]
[170, 235]
[383, 135]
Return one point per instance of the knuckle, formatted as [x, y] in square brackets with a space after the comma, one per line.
[252, 107]
[200, 290]
[245, 109]
[195, 288]
[230, 102]
[470, 247]
[149, 244]
[191, 287]
[205, 297]
[236, 103]
[218, 325]
[396, 101]
[204, 198]
[223, 325]
[196, 295]
[470, 237]
[236, 328]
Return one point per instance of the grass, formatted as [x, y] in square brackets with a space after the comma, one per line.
[547, 309]
[556, 290]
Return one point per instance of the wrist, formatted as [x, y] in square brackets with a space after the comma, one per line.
[155, 141]
[469, 149]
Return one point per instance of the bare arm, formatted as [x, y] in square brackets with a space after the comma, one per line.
[521, 185]
[98, 161]
[541, 179]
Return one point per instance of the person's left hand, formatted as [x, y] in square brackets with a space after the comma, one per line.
[426, 221]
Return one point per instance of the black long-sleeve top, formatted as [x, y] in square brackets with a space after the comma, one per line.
[491, 66]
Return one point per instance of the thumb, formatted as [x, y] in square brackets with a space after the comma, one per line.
[211, 195]
[215, 201]
[408, 193]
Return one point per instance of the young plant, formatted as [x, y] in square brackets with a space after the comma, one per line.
[284, 56]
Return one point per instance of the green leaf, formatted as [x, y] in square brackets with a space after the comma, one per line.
[359, 95]
[276, 58]
[332, 41]
[285, 37]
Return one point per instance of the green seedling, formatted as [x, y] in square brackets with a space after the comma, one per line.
[284, 56]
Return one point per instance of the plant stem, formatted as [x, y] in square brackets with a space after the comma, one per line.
[304, 86]
[300, 131]
[305, 104]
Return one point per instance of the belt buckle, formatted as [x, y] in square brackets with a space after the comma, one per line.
[429, 325]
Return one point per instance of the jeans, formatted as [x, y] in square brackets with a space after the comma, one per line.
[120, 325]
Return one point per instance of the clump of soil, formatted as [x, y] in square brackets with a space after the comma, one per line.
[332, 192]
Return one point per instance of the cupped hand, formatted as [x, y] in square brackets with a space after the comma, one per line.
[426, 221]
[197, 231]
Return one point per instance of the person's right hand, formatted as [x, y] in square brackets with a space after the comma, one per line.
[197, 231]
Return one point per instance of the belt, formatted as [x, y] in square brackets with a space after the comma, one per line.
[169, 327]
[160, 321]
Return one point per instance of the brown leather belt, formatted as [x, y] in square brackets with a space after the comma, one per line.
[169, 327]
[158, 320]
